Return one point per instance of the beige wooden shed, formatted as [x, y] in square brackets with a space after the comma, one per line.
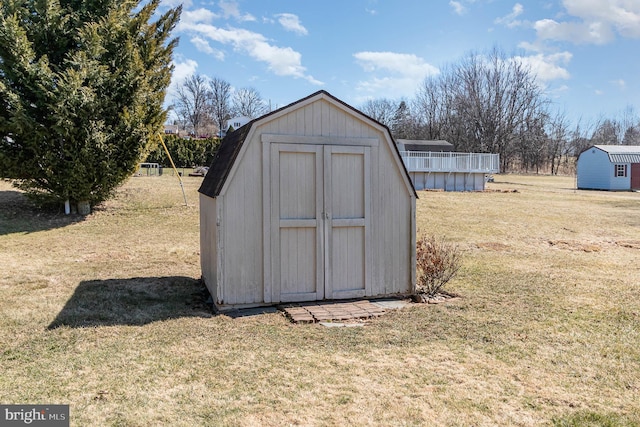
[309, 202]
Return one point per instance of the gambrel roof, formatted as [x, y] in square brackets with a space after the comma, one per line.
[621, 153]
[232, 143]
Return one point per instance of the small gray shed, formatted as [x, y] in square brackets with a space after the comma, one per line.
[609, 167]
[309, 202]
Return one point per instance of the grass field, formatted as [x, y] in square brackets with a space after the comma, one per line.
[106, 314]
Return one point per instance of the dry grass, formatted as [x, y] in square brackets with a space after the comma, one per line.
[105, 314]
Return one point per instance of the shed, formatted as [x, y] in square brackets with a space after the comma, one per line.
[609, 167]
[309, 202]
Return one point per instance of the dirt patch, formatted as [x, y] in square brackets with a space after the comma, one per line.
[495, 190]
[575, 245]
[633, 244]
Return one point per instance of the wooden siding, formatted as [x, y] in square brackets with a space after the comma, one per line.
[261, 197]
[209, 243]
[391, 230]
[242, 230]
[319, 118]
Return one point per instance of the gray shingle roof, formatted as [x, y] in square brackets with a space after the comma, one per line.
[425, 145]
[621, 153]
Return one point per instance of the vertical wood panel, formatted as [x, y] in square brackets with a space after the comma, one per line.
[348, 268]
[298, 261]
[325, 118]
[348, 196]
[346, 179]
[317, 118]
[241, 218]
[297, 185]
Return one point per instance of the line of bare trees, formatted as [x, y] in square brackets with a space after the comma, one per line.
[203, 106]
[489, 103]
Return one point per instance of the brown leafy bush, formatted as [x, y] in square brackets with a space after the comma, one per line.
[437, 262]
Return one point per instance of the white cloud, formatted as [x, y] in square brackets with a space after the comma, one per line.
[598, 92]
[398, 73]
[291, 22]
[203, 46]
[231, 9]
[620, 83]
[547, 67]
[533, 47]
[577, 32]
[282, 61]
[181, 70]
[458, 7]
[623, 15]
[403, 63]
[371, 11]
[510, 19]
[198, 16]
[594, 22]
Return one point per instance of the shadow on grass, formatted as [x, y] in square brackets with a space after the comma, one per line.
[19, 215]
[135, 301]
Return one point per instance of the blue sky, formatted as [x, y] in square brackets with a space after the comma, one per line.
[585, 53]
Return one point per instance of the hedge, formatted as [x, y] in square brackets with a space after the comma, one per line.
[184, 152]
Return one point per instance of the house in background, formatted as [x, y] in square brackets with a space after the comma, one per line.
[309, 202]
[234, 123]
[609, 167]
[433, 165]
[171, 129]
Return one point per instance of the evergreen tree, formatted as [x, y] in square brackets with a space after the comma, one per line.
[82, 86]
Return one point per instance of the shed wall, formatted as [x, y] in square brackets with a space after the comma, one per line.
[242, 227]
[209, 243]
[621, 182]
[594, 170]
[392, 227]
[239, 250]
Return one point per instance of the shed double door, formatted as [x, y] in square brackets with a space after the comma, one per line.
[320, 212]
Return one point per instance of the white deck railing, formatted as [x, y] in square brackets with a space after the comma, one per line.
[419, 161]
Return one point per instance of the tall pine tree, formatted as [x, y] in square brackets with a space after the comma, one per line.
[82, 86]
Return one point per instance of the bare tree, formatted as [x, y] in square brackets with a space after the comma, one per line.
[558, 141]
[248, 102]
[220, 102]
[432, 104]
[499, 98]
[382, 110]
[579, 140]
[632, 135]
[191, 103]
[607, 132]
[403, 124]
